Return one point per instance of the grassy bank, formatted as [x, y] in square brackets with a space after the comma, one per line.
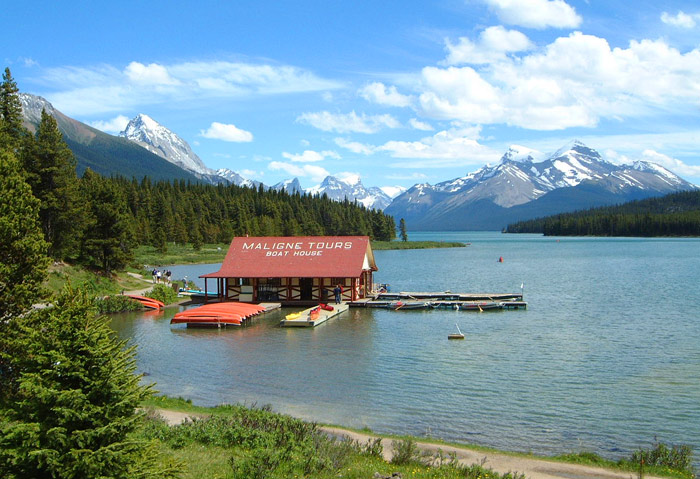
[237, 441]
[147, 257]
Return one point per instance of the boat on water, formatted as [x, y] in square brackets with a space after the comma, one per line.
[405, 305]
[457, 335]
[218, 314]
[147, 302]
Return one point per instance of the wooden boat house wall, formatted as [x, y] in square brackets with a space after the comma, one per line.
[295, 269]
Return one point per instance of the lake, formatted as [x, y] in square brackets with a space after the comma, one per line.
[606, 358]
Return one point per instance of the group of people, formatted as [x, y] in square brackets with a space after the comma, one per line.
[161, 275]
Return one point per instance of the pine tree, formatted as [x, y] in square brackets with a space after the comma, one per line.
[51, 173]
[71, 403]
[108, 240]
[402, 230]
[10, 110]
[23, 260]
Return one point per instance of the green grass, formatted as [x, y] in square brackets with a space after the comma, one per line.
[360, 461]
[384, 245]
[95, 283]
[180, 254]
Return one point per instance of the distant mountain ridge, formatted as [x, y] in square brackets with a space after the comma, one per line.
[519, 188]
[103, 153]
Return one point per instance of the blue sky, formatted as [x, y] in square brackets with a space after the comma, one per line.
[395, 92]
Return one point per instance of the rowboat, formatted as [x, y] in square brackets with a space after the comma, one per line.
[403, 305]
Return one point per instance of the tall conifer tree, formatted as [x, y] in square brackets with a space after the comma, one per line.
[51, 169]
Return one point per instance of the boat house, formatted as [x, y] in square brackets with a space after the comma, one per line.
[295, 270]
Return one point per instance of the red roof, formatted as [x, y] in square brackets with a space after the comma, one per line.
[297, 257]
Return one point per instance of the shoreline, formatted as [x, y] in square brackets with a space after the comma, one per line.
[532, 466]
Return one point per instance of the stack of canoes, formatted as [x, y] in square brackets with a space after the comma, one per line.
[147, 302]
[218, 314]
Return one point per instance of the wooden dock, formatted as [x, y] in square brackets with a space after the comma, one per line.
[304, 319]
[444, 300]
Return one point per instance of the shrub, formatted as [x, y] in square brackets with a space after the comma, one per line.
[677, 458]
[163, 293]
[117, 304]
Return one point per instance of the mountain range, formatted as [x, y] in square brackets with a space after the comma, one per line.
[519, 187]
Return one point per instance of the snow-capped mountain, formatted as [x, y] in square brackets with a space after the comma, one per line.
[235, 178]
[352, 189]
[290, 186]
[159, 140]
[520, 186]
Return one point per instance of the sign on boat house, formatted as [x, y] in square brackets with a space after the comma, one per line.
[295, 269]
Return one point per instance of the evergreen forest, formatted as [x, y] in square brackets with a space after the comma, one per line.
[676, 214]
[97, 221]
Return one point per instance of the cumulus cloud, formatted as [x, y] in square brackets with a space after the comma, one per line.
[457, 146]
[354, 146]
[493, 45]
[316, 173]
[419, 125]
[105, 88]
[379, 93]
[348, 122]
[221, 131]
[673, 164]
[153, 74]
[310, 156]
[114, 126]
[572, 82]
[681, 19]
[538, 14]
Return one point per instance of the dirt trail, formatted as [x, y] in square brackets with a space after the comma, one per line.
[533, 468]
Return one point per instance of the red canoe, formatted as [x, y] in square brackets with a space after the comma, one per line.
[147, 302]
[218, 314]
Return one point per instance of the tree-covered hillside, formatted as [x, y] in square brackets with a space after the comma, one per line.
[677, 214]
[98, 221]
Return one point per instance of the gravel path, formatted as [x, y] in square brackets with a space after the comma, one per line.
[533, 468]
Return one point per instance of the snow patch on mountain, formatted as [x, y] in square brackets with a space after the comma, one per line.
[351, 189]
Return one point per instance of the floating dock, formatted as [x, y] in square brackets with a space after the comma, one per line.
[480, 302]
[306, 319]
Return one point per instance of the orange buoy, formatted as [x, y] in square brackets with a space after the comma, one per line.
[500, 260]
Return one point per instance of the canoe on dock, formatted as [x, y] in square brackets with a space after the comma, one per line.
[218, 314]
[313, 316]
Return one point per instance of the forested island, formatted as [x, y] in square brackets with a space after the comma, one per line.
[677, 214]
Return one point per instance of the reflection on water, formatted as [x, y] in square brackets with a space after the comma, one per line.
[606, 357]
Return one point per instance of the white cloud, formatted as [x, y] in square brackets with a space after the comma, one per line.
[153, 74]
[104, 88]
[572, 82]
[538, 14]
[493, 45]
[316, 173]
[420, 125]
[378, 93]
[221, 131]
[348, 122]
[245, 173]
[677, 166]
[458, 146]
[354, 146]
[681, 19]
[310, 156]
[114, 126]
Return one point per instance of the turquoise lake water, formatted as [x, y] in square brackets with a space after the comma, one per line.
[606, 358]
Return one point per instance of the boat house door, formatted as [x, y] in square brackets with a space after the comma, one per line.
[306, 286]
